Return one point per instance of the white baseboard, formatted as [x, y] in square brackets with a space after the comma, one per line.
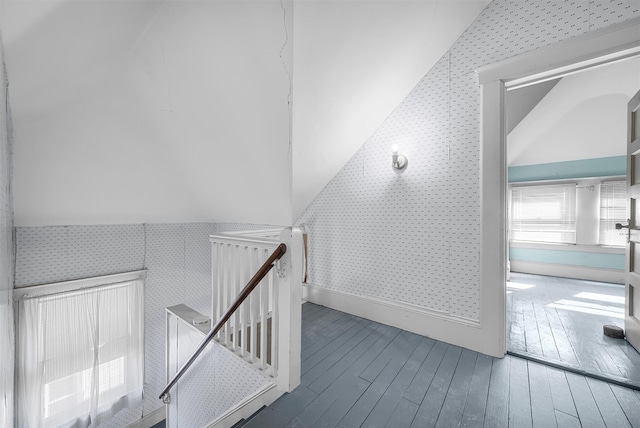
[247, 407]
[436, 325]
[151, 419]
[567, 271]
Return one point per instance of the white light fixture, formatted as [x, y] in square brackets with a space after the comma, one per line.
[398, 162]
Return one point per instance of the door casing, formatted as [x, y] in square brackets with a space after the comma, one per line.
[597, 48]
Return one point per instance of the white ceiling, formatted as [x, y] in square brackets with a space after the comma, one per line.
[227, 111]
[584, 116]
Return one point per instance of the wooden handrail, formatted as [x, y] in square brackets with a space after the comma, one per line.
[260, 274]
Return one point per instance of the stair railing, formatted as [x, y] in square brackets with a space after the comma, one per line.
[242, 296]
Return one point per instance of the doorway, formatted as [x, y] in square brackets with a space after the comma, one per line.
[554, 61]
[566, 158]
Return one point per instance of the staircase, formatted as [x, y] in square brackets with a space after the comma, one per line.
[245, 367]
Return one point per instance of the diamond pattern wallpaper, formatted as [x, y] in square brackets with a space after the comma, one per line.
[178, 260]
[414, 237]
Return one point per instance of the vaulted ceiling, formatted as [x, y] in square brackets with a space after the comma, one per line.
[227, 111]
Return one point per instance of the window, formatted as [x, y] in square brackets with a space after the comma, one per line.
[81, 353]
[544, 213]
[613, 209]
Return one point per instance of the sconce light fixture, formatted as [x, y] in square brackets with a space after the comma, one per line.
[398, 162]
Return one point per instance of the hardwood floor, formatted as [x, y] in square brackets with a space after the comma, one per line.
[561, 319]
[356, 372]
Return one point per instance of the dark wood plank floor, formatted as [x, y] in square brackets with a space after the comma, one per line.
[357, 372]
[561, 319]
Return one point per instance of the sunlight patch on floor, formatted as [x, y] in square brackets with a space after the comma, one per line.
[588, 308]
[519, 285]
[601, 297]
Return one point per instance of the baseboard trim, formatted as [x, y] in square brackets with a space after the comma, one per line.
[436, 325]
[247, 407]
[151, 419]
[568, 271]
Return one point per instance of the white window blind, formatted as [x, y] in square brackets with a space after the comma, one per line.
[81, 354]
[613, 209]
[544, 213]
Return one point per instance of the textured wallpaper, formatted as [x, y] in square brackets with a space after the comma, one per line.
[178, 260]
[6, 255]
[414, 237]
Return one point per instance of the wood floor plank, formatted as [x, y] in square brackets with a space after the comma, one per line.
[583, 349]
[385, 407]
[588, 411]
[547, 339]
[429, 410]
[578, 336]
[313, 315]
[610, 409]
[332, 416]
[519, 398]
[349, 388]
[516, 335]
[333, 345]
[531, 334]
[328, 336]
[381, 361]
[323, 322]
[542, 410]
[563, 345]
[420, 383]
[309, 308]
[497, 413]
[476, 404]
[364, 409]
[453, 406]
[336, 354]
[403, 414]
[372, 353]
[340, 367]
[560, 392]
[629, 400]
[567, 421]
[284, 409]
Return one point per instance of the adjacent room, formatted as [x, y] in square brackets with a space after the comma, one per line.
[567, 162]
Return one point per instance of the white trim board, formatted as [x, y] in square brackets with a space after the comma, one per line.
[434, 324]
[150, 419]
[247, 407]
[568, 271]
[596, 48]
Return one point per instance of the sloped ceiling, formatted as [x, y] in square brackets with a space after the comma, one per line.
[354, 62]
[584, 116]
[227, 111]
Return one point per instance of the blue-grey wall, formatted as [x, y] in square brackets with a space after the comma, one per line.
[578, 169]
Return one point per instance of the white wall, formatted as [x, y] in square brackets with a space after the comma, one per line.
[6, 254]
[584, 116]
[354, 62]
[130, 112]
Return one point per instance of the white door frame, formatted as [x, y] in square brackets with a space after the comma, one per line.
[596, 48]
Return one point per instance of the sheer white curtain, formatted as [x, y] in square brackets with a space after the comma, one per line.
[81, 355]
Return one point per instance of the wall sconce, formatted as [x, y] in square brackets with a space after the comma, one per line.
[398, 162]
